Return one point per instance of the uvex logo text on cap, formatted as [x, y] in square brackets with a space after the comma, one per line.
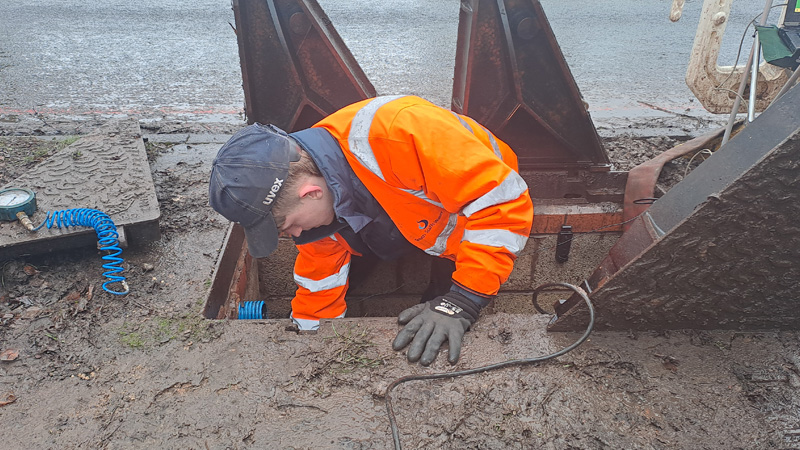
[276, 186]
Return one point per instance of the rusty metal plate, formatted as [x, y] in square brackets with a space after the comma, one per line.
[511, 77]
[235, 278]
[295, 68]
[642, 179]
[105, 170]
[721, 248]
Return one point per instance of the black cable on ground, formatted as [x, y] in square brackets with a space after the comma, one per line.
[513, 362]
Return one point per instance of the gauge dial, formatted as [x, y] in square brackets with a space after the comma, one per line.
[14, 200]
[15, 197]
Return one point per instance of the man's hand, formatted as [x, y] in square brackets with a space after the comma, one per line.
[429, 324]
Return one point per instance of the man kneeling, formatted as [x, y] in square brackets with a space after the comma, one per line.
[373, 178]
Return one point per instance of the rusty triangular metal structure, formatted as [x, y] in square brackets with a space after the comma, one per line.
[719, 250]
[295, 68]
[510, 76]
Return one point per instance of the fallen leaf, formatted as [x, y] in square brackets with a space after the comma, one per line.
[81, 306]
[7, 398]
[9, 355]
[72, 296]
[669, 362]
[31, 312]
[30, 270]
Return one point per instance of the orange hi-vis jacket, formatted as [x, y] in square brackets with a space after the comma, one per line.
[447, 183]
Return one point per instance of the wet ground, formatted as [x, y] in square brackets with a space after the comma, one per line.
[84, 369]
[81, 368]
[165, 59]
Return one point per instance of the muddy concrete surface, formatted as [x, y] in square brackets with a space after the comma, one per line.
[85, 369]
[81, 368]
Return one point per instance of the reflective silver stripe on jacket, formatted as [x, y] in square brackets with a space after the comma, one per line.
[510, 189]
[441, 241]
[495, 147]
[336, 280]
[492, 140]
[358, 139]
[463, 122]
[421, 195]
[361, 148]
[511, 241]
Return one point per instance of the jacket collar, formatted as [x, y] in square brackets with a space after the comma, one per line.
[351, 199]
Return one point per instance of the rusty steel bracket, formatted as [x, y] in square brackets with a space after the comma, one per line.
[718, 250]
[640, 235]
[642, 179]
[295, 67]
[640, 231]
[235, 277]
[511, 76]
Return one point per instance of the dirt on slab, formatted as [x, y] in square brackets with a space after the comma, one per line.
[82, 368]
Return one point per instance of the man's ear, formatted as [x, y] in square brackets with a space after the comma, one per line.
[311, 190]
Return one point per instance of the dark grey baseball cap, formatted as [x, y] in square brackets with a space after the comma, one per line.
[246, 178]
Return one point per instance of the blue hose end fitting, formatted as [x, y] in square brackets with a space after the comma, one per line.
[253, 310]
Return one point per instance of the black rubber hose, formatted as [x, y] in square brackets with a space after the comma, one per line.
[513, 362]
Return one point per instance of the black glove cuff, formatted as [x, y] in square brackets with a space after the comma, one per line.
[481, 300]
[454, 304]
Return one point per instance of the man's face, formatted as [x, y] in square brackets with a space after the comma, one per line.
[310, 213]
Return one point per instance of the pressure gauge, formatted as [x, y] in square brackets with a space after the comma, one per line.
[14, 200]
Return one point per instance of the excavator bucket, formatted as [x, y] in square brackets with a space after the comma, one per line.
[295, 68]
[511, 77]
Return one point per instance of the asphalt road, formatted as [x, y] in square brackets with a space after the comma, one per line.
[180, 58]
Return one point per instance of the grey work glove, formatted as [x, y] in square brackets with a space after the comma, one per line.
[429, 324]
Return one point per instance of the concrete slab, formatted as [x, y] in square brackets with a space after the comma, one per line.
[276, 389]
[106, 170]
[166, 138]
[208, 138]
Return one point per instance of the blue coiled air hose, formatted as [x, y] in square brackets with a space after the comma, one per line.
[107, 236]
[253, 310]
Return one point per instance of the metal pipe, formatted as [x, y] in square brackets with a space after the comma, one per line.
[751, 103]
[25, 221]
[745, 75]
[792, 80]
[738, 100]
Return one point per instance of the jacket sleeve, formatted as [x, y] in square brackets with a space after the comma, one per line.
[321, 272]
[461, 167]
